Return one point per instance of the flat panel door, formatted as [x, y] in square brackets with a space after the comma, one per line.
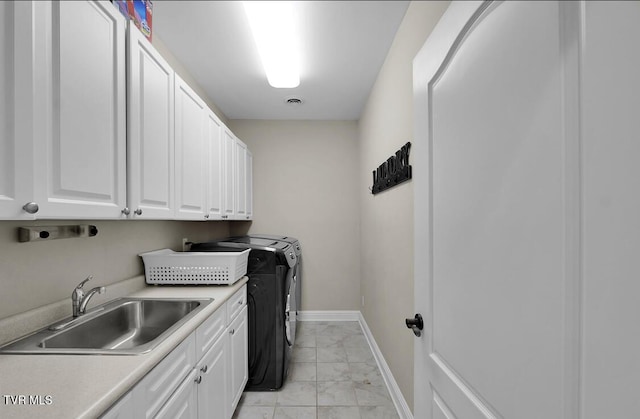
[229, 150]
[80, 110]
[526, 216]
[191, 153]
[150, 141]
[241, 179]
[215, 184]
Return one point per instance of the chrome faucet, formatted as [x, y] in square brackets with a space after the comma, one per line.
[79, 299]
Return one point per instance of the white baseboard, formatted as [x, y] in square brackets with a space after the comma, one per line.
[394, 390]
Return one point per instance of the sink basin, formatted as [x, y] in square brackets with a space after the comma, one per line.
[123, 326]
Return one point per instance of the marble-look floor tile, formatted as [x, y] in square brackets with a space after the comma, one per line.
[259, 398]
[333, 371]
[335, 354]
[378, 412]
[366, 373]
[302, 371]
[359, 354]
[341, 412]
[297, 393]
[254, 412]
[304, 355]
[295, 412]
[336, 393]
[305, 341]
[370, 395]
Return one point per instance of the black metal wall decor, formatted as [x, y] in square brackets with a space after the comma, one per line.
[393, 171]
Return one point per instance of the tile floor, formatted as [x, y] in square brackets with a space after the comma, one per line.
[333, 375]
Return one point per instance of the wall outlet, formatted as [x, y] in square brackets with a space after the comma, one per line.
[186, 245]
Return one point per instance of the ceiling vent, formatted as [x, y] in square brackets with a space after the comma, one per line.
[293, 101]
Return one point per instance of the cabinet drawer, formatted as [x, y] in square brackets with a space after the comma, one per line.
[236, 303]
[183, 404]
[157, 386]
[210, 330]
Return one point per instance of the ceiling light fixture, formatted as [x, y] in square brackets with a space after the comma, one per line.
[272, 25]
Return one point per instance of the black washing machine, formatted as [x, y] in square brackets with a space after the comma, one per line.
[271, 300]
[297, 247]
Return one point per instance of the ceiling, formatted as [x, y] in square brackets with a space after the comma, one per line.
[344, 45]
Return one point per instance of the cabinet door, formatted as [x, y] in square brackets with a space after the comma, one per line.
[16, 165]
[213, 389]
[215, 194]
[79, 109]
[238, 354]
[123, 409]
[150, 144]
[156, 388]
[183, 404]
[191, 158]
[240, 181]
[229, 202]
[249, 183]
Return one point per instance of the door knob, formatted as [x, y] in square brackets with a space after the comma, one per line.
[416, 324]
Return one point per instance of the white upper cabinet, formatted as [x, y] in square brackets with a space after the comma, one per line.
[241, 180]
[229, 150]
[16, 145]
[215, 184]
[191, 156]
[79, 109]
[249, 184]
[92, 130]
[150, 131]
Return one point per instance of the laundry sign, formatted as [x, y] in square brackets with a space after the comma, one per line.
[395, 170]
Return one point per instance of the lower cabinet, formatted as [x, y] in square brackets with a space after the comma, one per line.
[187, 385]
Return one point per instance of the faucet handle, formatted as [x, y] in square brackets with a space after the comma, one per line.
[80, 285]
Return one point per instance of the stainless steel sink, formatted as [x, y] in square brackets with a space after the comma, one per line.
[124, 326]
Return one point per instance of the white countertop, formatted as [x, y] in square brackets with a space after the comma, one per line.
[85, 386]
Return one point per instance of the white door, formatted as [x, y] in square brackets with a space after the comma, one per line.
[150, 141]
[229, 149]
[526, 211]
[215, 167]
[240, 183]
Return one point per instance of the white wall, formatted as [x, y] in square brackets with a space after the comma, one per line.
[305, 185]
[387, 218]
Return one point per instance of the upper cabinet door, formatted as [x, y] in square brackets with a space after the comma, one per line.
[191, 155]
[215, 189]
[240, 181]
[229, 150]
[150, 144]
[79, 109]
[249, 183]
[16, 88]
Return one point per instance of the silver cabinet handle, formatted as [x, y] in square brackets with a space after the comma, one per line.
[206, 216]
[198, 379]
[126, 211]
[138, 212]
[232, 331]
[31, 207]
[204, 369]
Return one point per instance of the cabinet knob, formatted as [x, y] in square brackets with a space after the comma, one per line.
[31, 207]
[206, 216]
[138, 212]
[198, 379]
[232, 331]
[126, 211]
[204, 369]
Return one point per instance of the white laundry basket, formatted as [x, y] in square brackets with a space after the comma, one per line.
[187, 268]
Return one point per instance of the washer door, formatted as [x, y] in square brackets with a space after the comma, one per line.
[290, 314]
